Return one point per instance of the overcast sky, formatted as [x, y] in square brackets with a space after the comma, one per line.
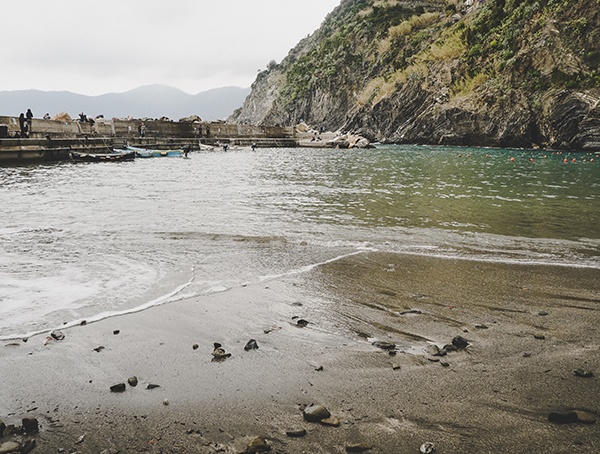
[103, 46]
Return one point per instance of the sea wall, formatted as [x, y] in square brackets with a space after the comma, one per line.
[128, 129]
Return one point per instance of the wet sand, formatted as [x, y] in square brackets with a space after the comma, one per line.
[528, 327]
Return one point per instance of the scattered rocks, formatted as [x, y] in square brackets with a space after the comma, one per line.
[257, 444]
[133, 381]
[358, 447]
[296, 433]
[118, 388]
[30, 425]
[251, 345]
[384, 345]
[583, 373]
[315, 413]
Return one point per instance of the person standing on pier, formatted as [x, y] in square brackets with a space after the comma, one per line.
[29, 116]
[23, 125]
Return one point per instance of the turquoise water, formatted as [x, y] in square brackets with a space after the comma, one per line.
[91, 240]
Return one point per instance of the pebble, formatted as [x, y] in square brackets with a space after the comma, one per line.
[583, 373]
[315, 413]
[584, 417]
[195, 346]
[332, 421]
[152, 386]
[257, 444]
[302, 323]
[296, 433]
[539, 336]
[427, 448]
[30, 425]
[565, 417]
[251, 345]
[118, 388]
[133, 381]
[57, 335]
[10, 446]
[460, 342]
[115, 332]
[432, 350]
[384, 345]
[543, 313]
[166, 402]
[219, 352]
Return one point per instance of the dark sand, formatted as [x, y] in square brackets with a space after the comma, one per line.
[493, 397]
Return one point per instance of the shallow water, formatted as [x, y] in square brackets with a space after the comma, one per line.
[90, 240]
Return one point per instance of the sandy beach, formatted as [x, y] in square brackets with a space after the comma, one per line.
[529, 329]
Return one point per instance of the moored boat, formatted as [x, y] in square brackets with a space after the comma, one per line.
[116, 155]
[150, 153]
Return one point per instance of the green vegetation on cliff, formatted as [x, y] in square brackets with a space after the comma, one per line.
[491, 72]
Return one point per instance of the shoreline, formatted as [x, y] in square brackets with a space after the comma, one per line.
[528, 327]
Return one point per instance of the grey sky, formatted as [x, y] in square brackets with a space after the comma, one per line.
[102, 46]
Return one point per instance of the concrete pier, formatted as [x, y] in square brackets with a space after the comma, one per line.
[52, 140]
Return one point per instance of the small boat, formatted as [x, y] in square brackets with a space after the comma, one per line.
[150, 153]
[116, 155]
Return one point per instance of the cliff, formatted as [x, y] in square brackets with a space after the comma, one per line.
[493, 72]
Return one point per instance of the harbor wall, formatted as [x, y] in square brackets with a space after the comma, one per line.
[52, 140]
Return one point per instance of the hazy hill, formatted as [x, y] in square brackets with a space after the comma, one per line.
[152, 101]
[485, 72]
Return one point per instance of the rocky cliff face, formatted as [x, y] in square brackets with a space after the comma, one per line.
[493, 72]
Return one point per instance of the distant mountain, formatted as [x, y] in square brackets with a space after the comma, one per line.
[153, 101]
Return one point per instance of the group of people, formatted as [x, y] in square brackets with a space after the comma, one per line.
[25, 122]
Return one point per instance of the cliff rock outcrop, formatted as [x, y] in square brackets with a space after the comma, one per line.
[485, 72]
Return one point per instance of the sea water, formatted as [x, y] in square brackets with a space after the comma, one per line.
[85, 241]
